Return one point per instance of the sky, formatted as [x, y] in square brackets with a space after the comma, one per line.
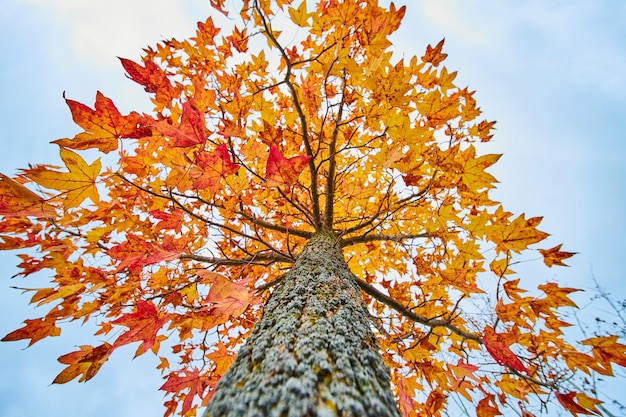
[551, 72]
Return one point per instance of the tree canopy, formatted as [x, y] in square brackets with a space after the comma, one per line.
[299, 118]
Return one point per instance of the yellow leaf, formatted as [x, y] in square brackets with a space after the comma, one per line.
[77, 185]
[299, 16]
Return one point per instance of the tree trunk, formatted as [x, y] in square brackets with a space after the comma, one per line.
[312, 353]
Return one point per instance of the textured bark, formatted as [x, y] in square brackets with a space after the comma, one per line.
[313, 352]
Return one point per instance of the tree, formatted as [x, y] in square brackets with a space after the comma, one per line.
[280, 171]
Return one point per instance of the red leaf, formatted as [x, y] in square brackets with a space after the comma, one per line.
[150, 76]
[212, 168]
[191, 131]
[135, 253]
[192, 381]
[103, 125]
[498, 347]
[282, 171]
[143, 325]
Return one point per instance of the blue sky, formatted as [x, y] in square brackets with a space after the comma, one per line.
[551, 73]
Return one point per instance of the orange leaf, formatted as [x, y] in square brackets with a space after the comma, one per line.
[227, 298]
[103, 125]
[557, 296]
[498, 347]
[86, 362]
[222, 358]
[17, 200]
[554, 256]
[191, 131]
[434, 55]
[77, 185]
[567, 401]
[142, 325]
[485, 409]
[35, 330]
[282, 171]
[212, 168]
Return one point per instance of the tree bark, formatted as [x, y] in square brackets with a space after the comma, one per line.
[312, 353]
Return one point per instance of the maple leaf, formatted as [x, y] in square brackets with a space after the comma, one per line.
[474, 175]
[17, 200]
[498, 347]
[103, 125]
[190, 380]
[212, 168]
[485, 409]
[77, 185]
[150, 76]
[299, 16]
[554, 256]
[191, 131]
[135, 252]
[567, 401]
[434, 55]
[85, 362]
[143, 325]
[558, 295]
[226, 299]
[221, 357]
[519, 234]
[607, 350]
[282, 171]
[35, 330]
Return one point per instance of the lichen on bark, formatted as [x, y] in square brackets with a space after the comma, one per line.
[312, 353]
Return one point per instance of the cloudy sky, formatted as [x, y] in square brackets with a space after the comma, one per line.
[551, 72]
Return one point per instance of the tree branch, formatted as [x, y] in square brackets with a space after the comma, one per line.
[385, 299]
[302, 117]
[258, 259]
[373, 238]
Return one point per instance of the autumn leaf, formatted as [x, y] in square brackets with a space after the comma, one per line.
[299, 16]
[150, 76]
[485, 409]
[226, 299]
[221, 357]
[519, 234]
[558, 296]
[85, 362]
[434, 55]
[17, 200]
[103, 125]
[212, 168]
[190, 381]
[498, 347]
[135, 253]
[282, 171]
[607, 350]
[35, 330]
[190, 132]
[554, 256]
[474, 175]
[568, 401]
[77, 185]
[143, 325]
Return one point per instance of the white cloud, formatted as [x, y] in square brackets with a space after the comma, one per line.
[100, 31]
